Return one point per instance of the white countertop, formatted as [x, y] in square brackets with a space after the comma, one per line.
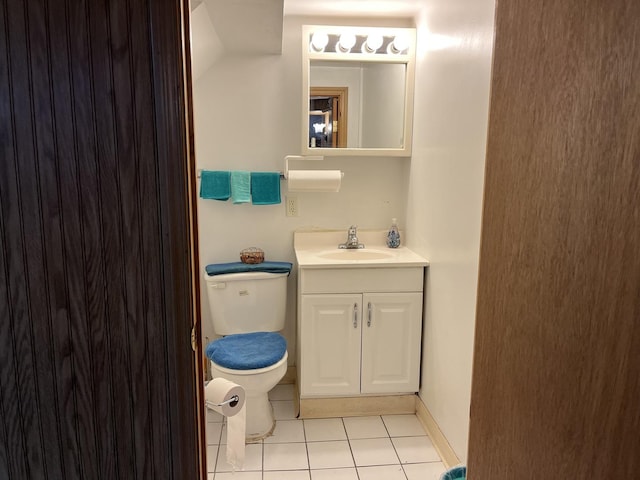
[319, 249]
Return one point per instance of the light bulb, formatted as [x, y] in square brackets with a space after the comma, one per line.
[400, 43]
[319, 40]
[347, 41]
[374, 42]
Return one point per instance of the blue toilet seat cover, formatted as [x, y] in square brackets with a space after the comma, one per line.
[247, 351]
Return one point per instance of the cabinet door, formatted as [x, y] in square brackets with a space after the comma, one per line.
[330, 342]
[391, 336]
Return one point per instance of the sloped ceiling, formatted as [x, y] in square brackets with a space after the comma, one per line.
[206, 47]
[255, 26]
[248, 26]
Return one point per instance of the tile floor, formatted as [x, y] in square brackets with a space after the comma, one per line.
[387, 447]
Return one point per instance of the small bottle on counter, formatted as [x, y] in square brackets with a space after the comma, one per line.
[393, 235]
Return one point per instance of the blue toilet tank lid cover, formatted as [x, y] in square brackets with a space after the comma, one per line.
[239, 267]
[247, 351]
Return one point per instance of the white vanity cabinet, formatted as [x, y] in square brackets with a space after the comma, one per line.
[359, 331]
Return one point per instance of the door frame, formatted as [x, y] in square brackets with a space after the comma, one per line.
[339, 97]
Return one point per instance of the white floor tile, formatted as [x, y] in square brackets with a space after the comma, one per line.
[415, 449]
[238, 476]
[282, 392]
[424, 471]
[286, 475]
[384, 472]
[403, 425]
[335, 474]
[214, 431]
[336, 454]
[212, 455]
[373, 451]
[365, 427]
[252, 459]
[285, 456]
[387, 447]
[324, 429]
[287, 431]
[283, 410]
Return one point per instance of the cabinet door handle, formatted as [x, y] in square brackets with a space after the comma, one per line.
[355, 315]
[369, 314]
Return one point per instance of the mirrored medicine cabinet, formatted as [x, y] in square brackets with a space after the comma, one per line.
[357, 85]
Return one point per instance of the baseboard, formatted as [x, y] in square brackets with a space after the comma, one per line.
[448, 456]
[357, 406]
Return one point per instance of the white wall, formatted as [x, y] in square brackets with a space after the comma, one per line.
[247, 112]
[445, 195]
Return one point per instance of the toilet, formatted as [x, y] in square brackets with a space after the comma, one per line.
[248, 306]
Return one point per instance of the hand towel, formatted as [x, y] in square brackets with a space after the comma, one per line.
[215, 185]
[265, 188]
[240, 186]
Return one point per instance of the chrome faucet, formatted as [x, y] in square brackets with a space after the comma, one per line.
[352, 239]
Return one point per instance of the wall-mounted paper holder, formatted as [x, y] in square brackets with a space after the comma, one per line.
[298, 157]
[311, 180]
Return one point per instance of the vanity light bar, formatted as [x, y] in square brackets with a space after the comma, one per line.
[348, 42]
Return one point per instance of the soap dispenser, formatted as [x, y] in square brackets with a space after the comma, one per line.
[393, 235]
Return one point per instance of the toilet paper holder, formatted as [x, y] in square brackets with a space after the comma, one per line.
[233, 401]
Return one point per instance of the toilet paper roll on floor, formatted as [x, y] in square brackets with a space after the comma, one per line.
[217, 394]
[314, 180]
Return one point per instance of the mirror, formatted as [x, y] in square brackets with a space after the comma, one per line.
[357, 100]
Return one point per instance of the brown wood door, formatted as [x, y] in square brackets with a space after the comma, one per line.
[556, 380]
[96, 368]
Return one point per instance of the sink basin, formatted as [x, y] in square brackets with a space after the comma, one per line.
[319, 249]
[359, 254]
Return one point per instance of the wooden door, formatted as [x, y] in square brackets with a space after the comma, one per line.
[96, 290]
[556, 380]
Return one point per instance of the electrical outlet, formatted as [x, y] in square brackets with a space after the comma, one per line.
[292, 206]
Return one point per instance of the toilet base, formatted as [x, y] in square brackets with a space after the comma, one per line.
[260, 419]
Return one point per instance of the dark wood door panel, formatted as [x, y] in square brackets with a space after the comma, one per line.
[96, 370]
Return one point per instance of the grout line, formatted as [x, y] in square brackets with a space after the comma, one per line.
[353, 457]
[306, 442]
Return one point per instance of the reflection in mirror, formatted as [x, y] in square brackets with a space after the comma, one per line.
[375, 103]
[328, 117]
[373, 68]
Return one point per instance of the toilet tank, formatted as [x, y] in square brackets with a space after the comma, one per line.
[247, 302]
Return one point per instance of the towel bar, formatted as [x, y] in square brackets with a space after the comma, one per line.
[200, 171]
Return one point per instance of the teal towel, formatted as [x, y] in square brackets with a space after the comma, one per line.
[215, 185]
[265, 188]
[240, 186]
